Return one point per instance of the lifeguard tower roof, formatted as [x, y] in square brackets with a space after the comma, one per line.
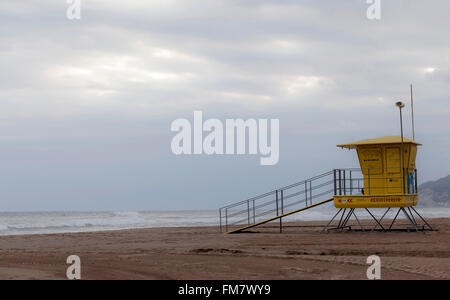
[396, 139]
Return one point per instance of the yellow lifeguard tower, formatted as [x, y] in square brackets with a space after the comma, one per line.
[387, 179]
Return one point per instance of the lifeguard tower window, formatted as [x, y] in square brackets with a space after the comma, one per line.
[393, 161]
[412, 159]
[371, 158]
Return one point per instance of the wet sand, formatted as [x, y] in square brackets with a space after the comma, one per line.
[300, 252]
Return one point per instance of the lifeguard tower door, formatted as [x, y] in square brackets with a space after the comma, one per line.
[394, 178]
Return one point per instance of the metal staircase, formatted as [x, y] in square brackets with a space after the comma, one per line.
[277, 204]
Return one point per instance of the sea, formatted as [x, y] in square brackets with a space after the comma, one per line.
[20, 223]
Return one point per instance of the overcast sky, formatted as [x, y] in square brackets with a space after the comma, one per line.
[86, 105]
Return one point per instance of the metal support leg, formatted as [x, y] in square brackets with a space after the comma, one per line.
[254, 216]
[409, 218]
[282, 212]
[358, 221]
[393, 221]
[378, 223]
[340, 209]
[248, 211]
[220, 219]
[340, 221]
[412, 216]
[226, 219]
[421, 218]
[347, 218]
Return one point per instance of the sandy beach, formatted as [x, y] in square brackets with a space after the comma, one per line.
[300, 252]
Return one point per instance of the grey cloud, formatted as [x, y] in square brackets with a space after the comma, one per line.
[97, 96]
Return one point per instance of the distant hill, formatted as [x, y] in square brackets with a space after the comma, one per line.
[435, 193]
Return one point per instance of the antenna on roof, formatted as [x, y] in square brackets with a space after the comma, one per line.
[412, 113]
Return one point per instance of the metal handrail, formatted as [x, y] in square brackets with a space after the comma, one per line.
[250, 199]
[249, 210]
[397, 180]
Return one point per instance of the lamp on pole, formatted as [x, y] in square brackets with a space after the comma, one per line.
[401, 105]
